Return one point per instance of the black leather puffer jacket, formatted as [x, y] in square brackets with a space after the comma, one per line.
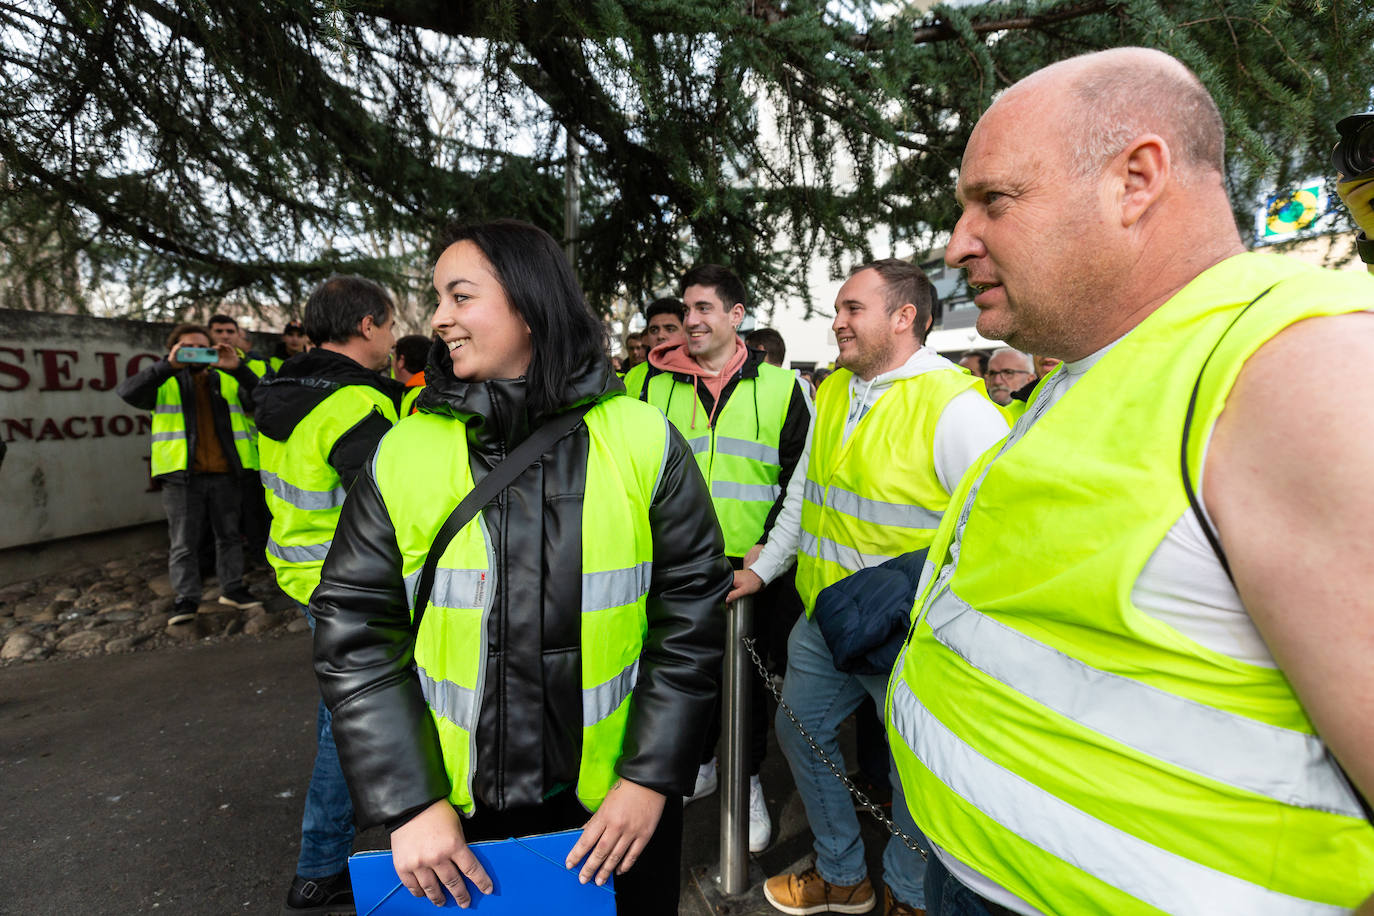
[529, 728]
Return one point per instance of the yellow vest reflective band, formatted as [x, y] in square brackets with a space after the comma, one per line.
[169, 453]
[304, 493]
[422, 472]
[1084, 755]
[738, 455]
[875, 496]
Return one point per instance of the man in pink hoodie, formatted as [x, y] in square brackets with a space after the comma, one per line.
[746, 422]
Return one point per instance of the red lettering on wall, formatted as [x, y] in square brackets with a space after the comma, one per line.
[121, 425]
[69, 426]
[99, 423]
[56, 370]
[49, 431]
[22, 427]
[137, 362]
[109, 362]
[13, 370]
[145, 423]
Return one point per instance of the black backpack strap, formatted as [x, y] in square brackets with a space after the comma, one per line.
[498, 478]
[1206, 525]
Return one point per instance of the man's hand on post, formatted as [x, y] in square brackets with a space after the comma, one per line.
[618, 832]
[747, 582]
[429, 853]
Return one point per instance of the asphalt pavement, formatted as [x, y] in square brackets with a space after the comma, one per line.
[172, 781]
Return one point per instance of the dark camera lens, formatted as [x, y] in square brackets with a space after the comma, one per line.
[1354, 154]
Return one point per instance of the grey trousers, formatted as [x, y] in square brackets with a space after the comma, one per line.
[189, 505]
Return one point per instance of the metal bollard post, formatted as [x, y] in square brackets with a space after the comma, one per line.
[734, 774]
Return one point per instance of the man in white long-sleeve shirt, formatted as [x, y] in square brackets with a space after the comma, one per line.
[894, 431]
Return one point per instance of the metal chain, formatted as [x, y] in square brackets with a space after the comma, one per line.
[866, 804]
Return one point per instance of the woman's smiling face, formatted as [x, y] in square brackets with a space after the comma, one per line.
[485, 335]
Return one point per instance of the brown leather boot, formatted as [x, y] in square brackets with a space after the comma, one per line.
[807, 892]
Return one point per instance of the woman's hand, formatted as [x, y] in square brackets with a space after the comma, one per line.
[429, 851]
[617, 832]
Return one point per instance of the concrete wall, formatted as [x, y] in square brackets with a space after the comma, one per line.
[77, 458]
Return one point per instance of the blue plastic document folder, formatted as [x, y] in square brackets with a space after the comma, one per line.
[528, 875]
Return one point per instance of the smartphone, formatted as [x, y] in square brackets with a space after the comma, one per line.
[207, 355]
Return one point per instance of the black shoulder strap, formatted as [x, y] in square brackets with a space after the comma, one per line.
[497, 479]
[1206, 525]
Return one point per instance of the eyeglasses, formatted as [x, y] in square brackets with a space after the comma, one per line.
[1009, 373]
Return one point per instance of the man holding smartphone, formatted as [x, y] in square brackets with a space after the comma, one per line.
[201, 445]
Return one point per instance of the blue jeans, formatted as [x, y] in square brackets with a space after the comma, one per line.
[822, 698]
[945, 896]
[327, 825]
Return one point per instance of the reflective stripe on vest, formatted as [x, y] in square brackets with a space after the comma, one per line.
[1080, 753]
[422, 470]
[738, 452]
[169, 453]
[874, 495]
[304, 492]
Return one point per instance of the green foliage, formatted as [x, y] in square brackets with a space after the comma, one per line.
[181, 152]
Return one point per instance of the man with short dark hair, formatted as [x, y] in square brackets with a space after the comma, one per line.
[895, 429]
[976, 362]
[201, 445]
[746, 421]
[293, 341]
[321, 417]
[635, 350]
[664, 329]
[1138, 678]
[770, 343]
[412, 352]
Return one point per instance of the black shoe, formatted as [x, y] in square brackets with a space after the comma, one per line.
[184, 611]
[332, 896]
[240, 598]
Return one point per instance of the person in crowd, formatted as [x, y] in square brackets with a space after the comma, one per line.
[293, 341]
[634, 350]
[201, 446]
[1141, 659]
[1044, 365]
[746, 421]
[409, 365]
[820, 374]
[556, 671]
[224, 329]
[320, 417]
[1008, 370]
[768, 342]
[976, 362]
[895, 428]
[664, 317]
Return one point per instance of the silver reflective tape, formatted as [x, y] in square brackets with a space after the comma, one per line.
[412, 582]
[877, 512]
[600, 701]
[615, 587]
[309, 500]
[747, 448]
[457, 588]
[242, 434]
[235, 408]
[452, 701]
[299, 553]
[700, 444]
[167, 408]
[850, 558]
[748, 492]
[1284, 765]
[169, 436]
[1160, 878]
[813, 493]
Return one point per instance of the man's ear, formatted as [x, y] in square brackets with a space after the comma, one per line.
[737, 314]
[904, 317]
[367, 327]
[1142, 171]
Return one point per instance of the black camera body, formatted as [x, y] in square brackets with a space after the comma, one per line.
[1354, 152]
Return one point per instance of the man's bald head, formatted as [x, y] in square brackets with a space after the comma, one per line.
[1111, 97]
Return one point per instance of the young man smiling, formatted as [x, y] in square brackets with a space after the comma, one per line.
[746, 422]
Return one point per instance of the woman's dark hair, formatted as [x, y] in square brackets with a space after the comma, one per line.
[338, 306]
[564, 333]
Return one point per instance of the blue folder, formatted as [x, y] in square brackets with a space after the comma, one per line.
[527, 874]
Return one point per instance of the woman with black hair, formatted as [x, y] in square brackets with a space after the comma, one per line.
[567, 659]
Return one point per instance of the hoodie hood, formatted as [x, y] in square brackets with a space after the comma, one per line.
[303, 382]
[497, 411]
[864, 394]
[674, 358]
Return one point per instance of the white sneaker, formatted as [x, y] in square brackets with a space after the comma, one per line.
[760, 824]
[707, 780]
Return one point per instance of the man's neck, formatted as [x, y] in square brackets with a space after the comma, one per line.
[715, 363]
[901, 353]
[351, 350]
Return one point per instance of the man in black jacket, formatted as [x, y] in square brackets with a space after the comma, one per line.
[320, 418]
[201, 444]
